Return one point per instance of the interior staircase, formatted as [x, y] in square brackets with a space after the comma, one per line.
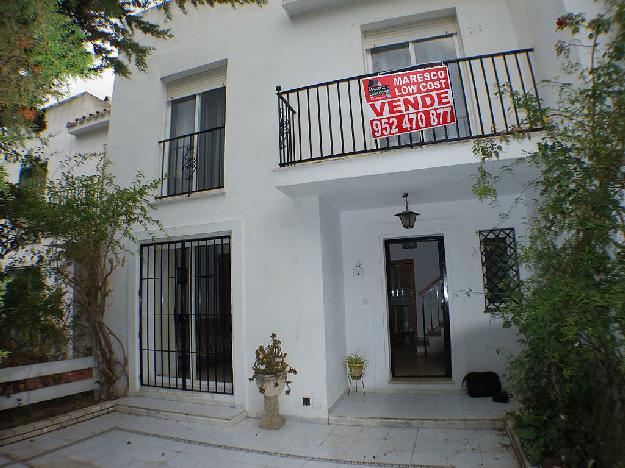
[431, 320]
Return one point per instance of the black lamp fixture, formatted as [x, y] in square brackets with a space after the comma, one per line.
[407, 217]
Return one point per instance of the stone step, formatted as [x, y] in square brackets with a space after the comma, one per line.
[202, 398]
[27, 431]
[430, 423]
[424, 409]
[182, 411]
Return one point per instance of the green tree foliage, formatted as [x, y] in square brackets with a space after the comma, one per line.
[32, 319]
[18, 228]
[91, 219]
[39, 49]
[570, 311]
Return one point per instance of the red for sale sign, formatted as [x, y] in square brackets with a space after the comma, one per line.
[409, 101]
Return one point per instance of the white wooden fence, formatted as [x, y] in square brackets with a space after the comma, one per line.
[12, 374]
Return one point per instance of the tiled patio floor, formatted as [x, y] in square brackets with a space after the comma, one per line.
[123, 440]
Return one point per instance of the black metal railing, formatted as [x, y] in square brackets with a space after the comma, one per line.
[328, 120]
[193, 162]
[431, 322]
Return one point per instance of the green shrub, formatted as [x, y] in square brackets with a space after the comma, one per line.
[33, 326]
[570, 311]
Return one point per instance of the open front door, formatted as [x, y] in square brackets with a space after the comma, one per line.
[418, 309]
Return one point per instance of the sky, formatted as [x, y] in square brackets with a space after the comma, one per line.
[101, 86]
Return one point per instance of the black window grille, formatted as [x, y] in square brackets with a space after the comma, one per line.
[499, 266]
[185, 315]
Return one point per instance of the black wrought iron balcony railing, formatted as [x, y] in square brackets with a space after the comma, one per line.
[193, 162]
[329, 120]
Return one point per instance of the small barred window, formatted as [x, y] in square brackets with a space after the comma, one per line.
[499, 266]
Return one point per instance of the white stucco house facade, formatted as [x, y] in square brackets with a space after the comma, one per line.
[279, 207]
[75, 125]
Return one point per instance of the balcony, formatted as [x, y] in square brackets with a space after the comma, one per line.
[192, 163]
[328, 120]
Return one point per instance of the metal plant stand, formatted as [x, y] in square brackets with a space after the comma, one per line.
[354, 381]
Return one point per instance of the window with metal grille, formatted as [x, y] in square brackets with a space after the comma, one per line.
[33, 175]
[185, 315]
[499, 266]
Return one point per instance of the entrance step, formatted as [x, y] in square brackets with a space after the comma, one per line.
[202, 398]
[182, 411]
[427, 410]
[430, 423]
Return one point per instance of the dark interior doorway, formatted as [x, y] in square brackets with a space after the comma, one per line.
[418, 309]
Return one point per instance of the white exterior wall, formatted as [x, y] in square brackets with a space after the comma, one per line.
[288, 233]
[333, 299]
[60, 144]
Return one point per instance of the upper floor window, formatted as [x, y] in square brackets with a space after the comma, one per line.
[419, 43]
[193, 155]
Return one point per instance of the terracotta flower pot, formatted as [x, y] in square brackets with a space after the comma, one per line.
[355, 371]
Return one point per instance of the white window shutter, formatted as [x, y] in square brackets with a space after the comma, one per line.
[196, 83]
[406, 32]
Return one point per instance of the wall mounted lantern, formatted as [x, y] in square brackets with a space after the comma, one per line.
[407, 217]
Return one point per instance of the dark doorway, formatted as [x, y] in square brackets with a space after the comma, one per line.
[418, 309]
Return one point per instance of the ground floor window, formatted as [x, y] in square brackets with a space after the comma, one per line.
[185, 315]
[499, 266]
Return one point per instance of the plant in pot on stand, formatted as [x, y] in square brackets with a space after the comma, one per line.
[356, 365]
[270, 371]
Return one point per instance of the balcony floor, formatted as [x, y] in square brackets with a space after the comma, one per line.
[376, 181]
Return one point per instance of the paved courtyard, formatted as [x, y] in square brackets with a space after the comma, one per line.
[123, 440]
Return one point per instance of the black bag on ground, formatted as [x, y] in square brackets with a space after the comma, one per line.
[502, 397]
[482, 384]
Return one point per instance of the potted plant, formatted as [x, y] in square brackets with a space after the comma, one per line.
[270, 371]
[356, 364]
